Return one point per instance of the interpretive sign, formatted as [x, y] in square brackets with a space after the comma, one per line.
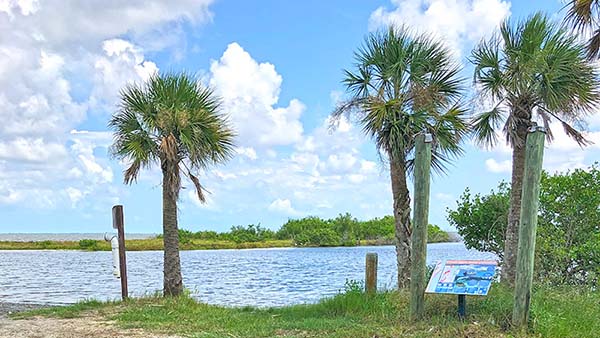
[462, 277]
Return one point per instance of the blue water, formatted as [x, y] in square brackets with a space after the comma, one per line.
[260, 277]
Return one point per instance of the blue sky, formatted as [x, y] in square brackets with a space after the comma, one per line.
[277, 65]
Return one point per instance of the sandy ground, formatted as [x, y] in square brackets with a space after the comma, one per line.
[90, 326]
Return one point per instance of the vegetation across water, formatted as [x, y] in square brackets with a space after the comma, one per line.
[343, 230]
[556, 312]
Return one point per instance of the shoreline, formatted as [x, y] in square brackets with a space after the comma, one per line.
[156, 244]
[7, 309]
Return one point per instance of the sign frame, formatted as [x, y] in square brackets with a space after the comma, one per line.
[462, 277]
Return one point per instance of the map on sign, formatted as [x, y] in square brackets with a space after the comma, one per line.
[462, 277]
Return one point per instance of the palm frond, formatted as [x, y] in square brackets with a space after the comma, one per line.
[484, 126]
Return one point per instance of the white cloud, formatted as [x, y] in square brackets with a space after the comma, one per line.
[60, 62]
[31, 150]
[121, 63]
[340, 163]
[458, 22]
[498, 166]
[75, 195]
[248, 152]
[282, 206]
[250, 91]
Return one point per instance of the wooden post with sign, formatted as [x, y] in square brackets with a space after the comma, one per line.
[119, 224]
[528, 223]
[418, 278]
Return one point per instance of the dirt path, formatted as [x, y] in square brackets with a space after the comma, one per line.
[91, 326]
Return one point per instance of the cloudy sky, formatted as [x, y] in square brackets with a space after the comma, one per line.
[276, 64]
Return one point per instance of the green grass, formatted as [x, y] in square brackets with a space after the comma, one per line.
[556, 313]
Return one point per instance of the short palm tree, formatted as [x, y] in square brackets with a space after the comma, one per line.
[531, 70]
[173, 122]
[401, 86]
[584, 16]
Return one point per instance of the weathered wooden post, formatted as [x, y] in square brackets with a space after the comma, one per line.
[528, 223]
[371, 273]
[119, 224]
[418, 276]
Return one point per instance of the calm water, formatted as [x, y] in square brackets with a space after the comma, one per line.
[261, 277]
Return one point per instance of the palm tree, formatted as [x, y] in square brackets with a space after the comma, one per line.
[584, 16]
[403, 85]
[171, 121]
[533, 69]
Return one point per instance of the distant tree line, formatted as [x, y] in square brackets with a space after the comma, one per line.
[343, 230]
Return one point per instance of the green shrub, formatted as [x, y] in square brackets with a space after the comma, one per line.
[88, 244]
[436, 235]
[568, 234]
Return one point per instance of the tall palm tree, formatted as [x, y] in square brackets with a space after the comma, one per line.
[403, 85]
[174, 122]
[584, 16]
[531, 70]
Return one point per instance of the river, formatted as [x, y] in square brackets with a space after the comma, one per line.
[257, 277]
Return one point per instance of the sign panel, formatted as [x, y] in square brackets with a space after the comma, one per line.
[462, 277]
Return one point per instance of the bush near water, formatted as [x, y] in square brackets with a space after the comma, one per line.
[568, 235]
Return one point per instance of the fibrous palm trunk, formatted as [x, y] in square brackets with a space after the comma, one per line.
[173, 284]
[511, 242]
[403, 227]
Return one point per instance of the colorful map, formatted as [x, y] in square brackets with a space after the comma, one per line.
[462, 277]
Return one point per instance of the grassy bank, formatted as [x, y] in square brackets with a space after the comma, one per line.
[555, 313]
[141, 245]
[157, 244]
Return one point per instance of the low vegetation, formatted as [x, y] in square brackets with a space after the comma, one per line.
[343, 230]
[568, 236]
[556, 312]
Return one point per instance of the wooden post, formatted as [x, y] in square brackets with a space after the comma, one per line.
[371, 273]
[418, 270]
[528, 223]
[119, 224]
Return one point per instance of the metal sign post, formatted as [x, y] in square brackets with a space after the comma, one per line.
[118, 223]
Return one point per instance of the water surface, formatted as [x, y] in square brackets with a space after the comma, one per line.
[259, 277]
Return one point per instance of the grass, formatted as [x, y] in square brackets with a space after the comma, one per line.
[154, 244]
[556, 312]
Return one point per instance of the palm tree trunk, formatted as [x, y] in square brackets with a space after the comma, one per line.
[511, 242]
[403, 226]
[173, 284]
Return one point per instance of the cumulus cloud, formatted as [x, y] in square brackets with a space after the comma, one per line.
[250, 93]
[459, 22]
[61, 61]
[498, 166]
[282, 206]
